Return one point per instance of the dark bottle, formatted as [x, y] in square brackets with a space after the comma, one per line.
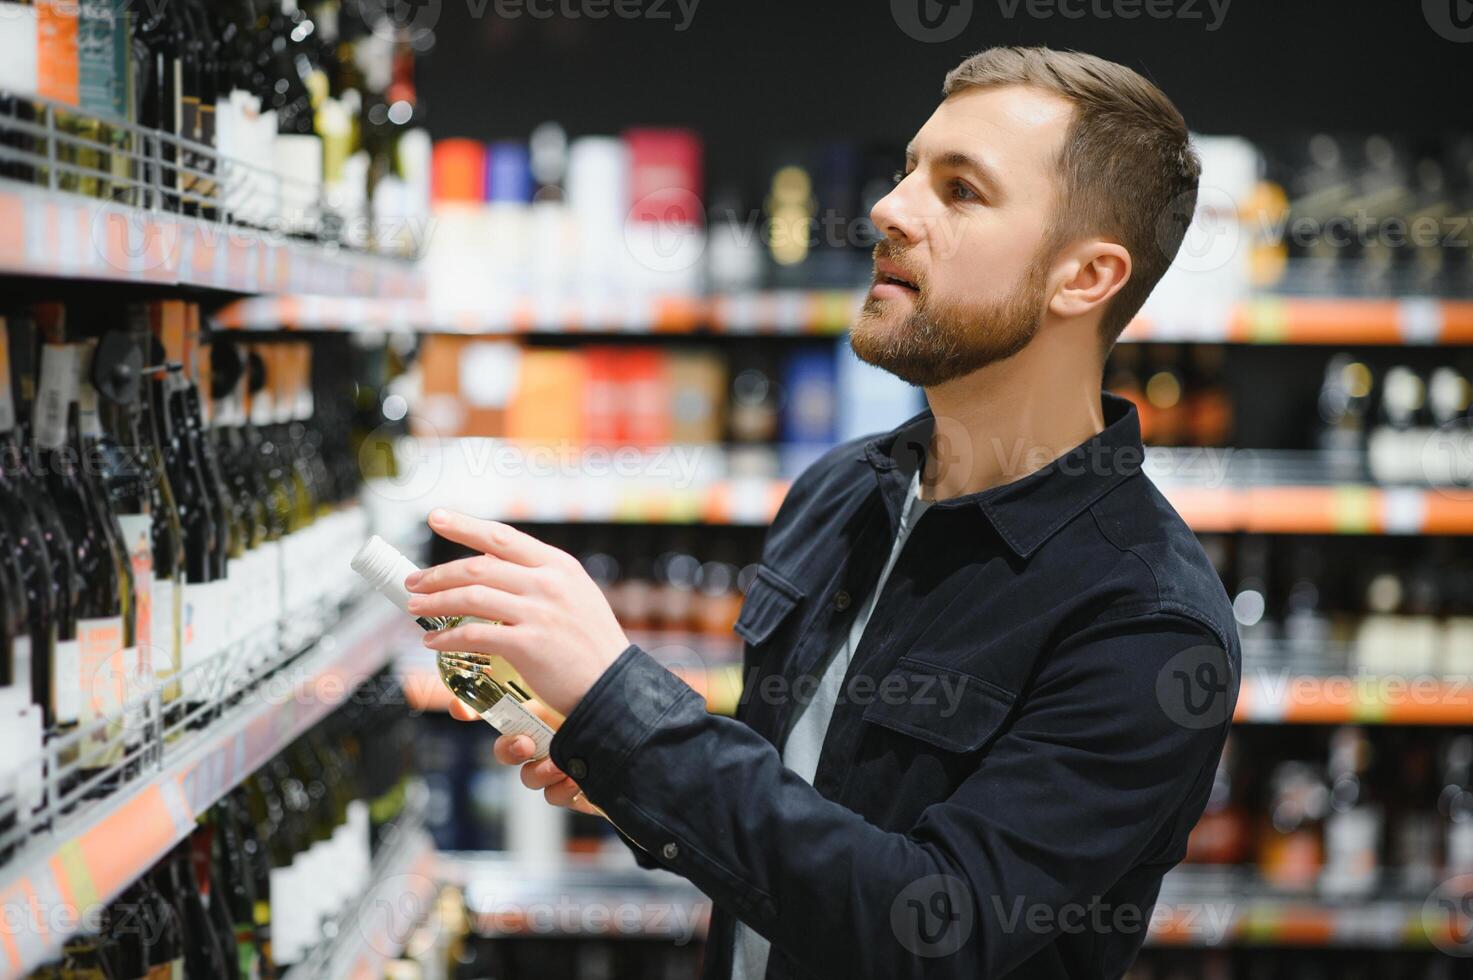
[157, 62]
[197, 516]
[98, 628]
[166, 534]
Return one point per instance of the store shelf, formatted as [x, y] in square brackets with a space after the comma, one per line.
[829, 312]
[54, 234]
[88, 857]
[1347, 509]
[588, 896]
[1267, 697]
[601, 898]
[1203, 906]
[402, 890]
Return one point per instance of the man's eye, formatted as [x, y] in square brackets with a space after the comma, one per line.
[961, 192]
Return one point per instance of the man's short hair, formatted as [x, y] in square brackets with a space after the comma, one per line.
[1128, 169]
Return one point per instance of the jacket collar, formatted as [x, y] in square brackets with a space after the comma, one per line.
[1028, 511]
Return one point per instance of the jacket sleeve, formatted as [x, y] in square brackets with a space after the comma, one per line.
[1086, 780]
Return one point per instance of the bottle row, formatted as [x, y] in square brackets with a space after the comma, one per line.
[176, 514]
[1344, 814]
[1322, 605]
[1354, 216]
[808, 395]
[295, 119]
[1368, 213]
[1395, 421]
[250, 892]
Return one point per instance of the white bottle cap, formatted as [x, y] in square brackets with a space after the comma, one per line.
[381, 564]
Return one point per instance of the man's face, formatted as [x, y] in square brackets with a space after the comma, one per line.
[959, 278]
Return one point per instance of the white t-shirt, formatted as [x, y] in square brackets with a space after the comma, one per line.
[805, 739]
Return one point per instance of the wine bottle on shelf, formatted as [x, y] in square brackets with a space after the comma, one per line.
[1455, 803]
[231, 532]
[19, 83]
[227, 401]
[1290, 845]
[117, 485]
[1355, 821]
[196, 517]
[54, 653]
[97, 684]
[140, 434]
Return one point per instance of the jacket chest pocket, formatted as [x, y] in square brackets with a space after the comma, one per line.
[947, 709]
[768, 605]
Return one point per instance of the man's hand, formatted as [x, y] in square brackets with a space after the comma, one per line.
[514, 750]
[553, 624]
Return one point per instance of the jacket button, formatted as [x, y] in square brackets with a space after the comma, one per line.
[577, 768]
[841, 600]
[670, 851]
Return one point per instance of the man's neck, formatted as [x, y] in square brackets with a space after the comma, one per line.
[1011, 418]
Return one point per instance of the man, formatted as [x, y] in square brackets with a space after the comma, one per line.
[989, 669]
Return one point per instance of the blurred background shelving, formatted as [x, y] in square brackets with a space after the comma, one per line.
[388, 289]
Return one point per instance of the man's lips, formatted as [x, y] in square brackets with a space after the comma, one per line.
[890, 274]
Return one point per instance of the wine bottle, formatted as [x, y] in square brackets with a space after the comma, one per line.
[196, 515]
[96, 683]
[166, 535]
[487, 684]
[51, 547]
[122, 508]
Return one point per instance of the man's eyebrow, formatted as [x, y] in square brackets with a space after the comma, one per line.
[957, 160]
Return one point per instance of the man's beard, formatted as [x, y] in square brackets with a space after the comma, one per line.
[939, 340]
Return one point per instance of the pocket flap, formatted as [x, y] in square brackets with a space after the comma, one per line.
[769, 600]
[945, 708]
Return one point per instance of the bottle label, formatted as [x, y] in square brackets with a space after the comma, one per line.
[58, 72]
[104, 674]
[138, 542]
[18, 48]
[7, 403]
[510, 717]
[20, 662]
[1350, 850]
[167, 603]
[55, 394]
[191, 638]
[66, 686]
[95, 30]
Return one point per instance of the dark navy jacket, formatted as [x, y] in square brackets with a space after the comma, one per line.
[1027, 733]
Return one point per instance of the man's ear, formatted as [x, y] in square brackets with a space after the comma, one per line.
[1094, 273]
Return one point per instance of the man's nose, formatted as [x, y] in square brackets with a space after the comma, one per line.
[896, 216]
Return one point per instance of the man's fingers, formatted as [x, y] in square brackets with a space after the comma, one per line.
[562, 793]
[542, 774]
[513, 750]
[459, 709]
[475, 570]
[480, 601]
[491, 538]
